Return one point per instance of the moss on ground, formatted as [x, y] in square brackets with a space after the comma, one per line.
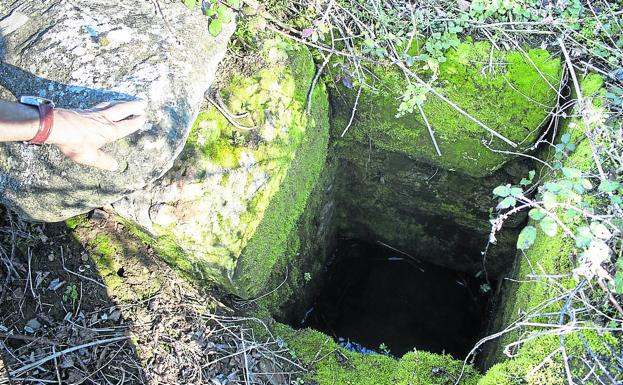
[533, 361]
[503, 90]
[117, 259]
[333, 364]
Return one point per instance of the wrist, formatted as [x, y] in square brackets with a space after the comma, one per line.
[58, 134]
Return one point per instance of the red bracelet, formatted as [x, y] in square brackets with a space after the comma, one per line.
[46, 121]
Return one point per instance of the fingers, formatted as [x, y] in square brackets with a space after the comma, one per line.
[117, 111]
[127, 126]
[93, 158]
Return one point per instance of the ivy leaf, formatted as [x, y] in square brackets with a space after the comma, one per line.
[549, 227]
[571, 172]
[506, 203]
[583, 237]
[502, 191]
[526, 238]
[215, 27]
[531, 174]
[190, 4]
[552, 186]
[608, 186]
[223, 14]
[536, 214]
[516, 192]
[565, 138]
[525, 182]
[549, 200]
[570, 214]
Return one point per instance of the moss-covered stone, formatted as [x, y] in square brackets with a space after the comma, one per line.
[332, 364]
[117, 259]
[233, 198]
[507, 91]
[431, 213]
[539, 360]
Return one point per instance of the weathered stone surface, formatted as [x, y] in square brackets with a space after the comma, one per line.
[234, 198]
[433, 214]
[84, 52]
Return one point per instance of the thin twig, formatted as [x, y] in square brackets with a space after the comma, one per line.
[51, 357]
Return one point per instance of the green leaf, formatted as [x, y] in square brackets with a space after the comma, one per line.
[506, 203]
[234, 3]
[502, 191]
[587, 184]
[526, 238]
[571, 172]
[190, 4]
[583, 237]
[223, 14]
[549, 227]
[549, 200]
[537, 214]
[565, 138]
[516, 192]
[608, 186]
[552, 186]
[215, 27]
[570, 214]
[531, 174]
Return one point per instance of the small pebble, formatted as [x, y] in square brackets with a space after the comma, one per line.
[33, 324]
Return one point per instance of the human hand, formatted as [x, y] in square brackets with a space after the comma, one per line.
[80, 134]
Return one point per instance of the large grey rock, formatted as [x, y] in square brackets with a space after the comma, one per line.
[83, 52]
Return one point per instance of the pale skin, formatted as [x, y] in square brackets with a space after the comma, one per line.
[79, 134]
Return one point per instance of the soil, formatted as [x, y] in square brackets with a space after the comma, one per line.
[59, 323]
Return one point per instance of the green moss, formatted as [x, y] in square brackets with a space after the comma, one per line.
[245, 189]
[273, 237]
[105, 251]
[118, 261]
[534, 362]
[509, 96]
[166, 247]
[332, 364]
[78, 220]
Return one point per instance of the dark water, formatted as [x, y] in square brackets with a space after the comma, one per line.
[375, 296]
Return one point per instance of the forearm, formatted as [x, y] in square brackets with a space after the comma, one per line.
[18, 122]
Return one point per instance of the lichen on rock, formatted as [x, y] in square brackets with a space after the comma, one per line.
[235, 194]
[82, 53]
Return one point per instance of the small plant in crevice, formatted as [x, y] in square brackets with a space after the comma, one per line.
[70, 294]
[218, 12]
